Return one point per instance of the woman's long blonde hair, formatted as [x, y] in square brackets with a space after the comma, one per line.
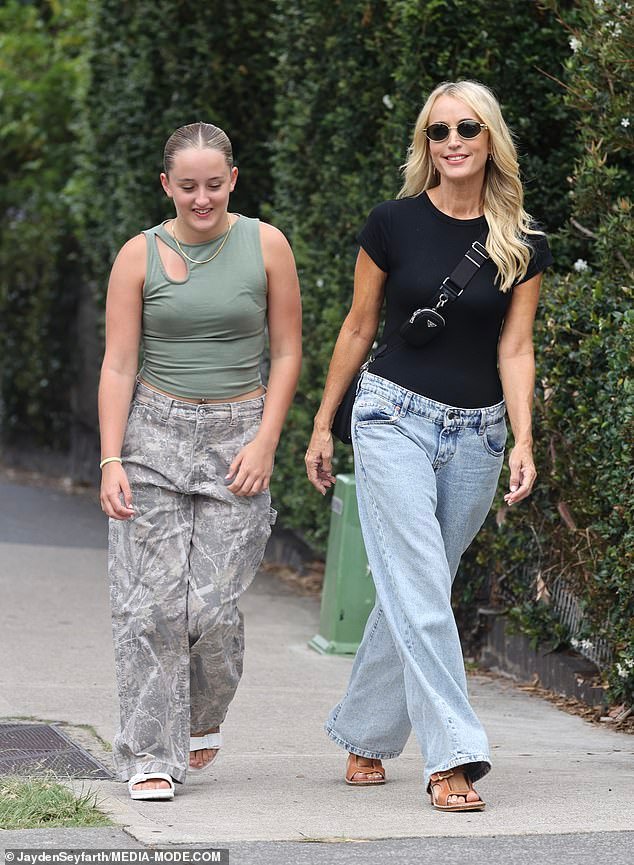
[509, 223]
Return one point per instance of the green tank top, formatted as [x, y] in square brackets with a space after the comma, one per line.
[203, 337]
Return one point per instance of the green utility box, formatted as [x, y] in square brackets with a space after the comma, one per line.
[348, 592]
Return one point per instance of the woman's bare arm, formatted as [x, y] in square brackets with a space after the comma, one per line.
[351, 349]
[516, 362]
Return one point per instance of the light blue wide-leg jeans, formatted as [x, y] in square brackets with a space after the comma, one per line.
[426, 475]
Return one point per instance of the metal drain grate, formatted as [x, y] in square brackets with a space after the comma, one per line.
[40, 749]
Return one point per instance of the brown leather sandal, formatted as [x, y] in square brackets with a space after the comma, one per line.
[453, 782]
[369, 767]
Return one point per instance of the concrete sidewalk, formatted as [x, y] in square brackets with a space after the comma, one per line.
[278, 776]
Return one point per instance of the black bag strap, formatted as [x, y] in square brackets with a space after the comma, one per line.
[470, 263]
[450, 289]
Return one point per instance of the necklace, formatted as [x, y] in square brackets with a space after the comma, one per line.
[204, 260]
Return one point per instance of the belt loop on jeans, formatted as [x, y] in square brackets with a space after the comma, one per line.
[233, 412]
[167, 408]
[405, 403]
[483, 422]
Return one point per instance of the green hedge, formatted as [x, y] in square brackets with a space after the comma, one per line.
[349, 87]
[320, 103]
[150, 67]
[577, 532]
[344, 116]
[40, 50]
[90, 92]
[154, 66]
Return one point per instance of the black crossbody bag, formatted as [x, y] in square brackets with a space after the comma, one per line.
[419, 329]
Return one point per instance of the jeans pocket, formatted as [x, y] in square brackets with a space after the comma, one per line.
[369, 408]
[494, 438]
[146, 431]
[148, 410]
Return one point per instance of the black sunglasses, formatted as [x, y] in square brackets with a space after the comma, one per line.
[465, 129]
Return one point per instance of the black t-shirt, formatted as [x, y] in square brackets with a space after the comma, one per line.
[418, 246]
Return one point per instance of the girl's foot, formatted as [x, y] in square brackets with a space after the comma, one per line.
[151, 786]
[154, 784]
[201, 758]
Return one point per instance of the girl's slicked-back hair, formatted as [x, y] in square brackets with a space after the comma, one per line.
[198, 135]
[509, 224]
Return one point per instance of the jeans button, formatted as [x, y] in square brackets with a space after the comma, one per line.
[451, 415]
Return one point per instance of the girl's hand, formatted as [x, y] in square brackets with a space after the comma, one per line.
[523, 474]
[318, 460]
[114, 484]
[251, 470]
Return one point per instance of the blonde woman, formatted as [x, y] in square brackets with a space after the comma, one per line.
[429, 432]
[188, 443]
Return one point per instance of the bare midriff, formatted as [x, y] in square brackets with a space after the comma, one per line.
[203, 400]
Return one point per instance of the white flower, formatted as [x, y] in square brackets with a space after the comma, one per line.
[625, 122]
[621, 671]
[580, 265]
[574, 643]
[629, 662]
[598, 4]
[587, 645]
[387, 101]
[319, 282]
[575, 44]
[614, 27]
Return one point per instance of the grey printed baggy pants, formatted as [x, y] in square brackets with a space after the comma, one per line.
[177, 569]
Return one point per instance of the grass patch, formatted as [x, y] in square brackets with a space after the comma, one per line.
[40, 803]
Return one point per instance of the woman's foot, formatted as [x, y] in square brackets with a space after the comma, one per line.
[453, 791]
[363, 771]
[201, 758]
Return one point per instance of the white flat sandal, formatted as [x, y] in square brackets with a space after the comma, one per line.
[211, 741]
[148, 794]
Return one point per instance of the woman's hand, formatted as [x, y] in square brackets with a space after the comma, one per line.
[351, 349]
[516, 362]
[114, 484]
[318, 460]
[523, 474]
[251, 470]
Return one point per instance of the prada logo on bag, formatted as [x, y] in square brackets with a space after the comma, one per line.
[431, 324]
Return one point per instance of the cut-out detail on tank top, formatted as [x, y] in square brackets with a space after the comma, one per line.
[171, 261]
